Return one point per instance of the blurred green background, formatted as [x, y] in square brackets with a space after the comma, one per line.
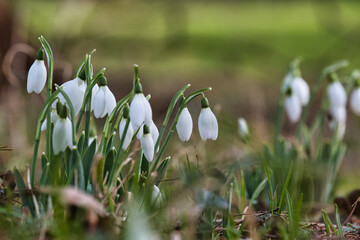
[240, 48]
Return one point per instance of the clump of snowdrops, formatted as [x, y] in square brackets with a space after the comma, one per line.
[125, 162]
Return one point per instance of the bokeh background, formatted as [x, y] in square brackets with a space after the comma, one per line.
[239, 48]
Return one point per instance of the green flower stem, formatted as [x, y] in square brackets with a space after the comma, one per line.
[50, 62]
[173, 125]
[332, 68]
[168, 113]
[110, 119]
[118, 162]
[88, 74]
[41, 119]
[78, 69]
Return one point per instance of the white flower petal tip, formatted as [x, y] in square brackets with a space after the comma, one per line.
[243, 128]
[104, 102]
[355, 101]
[156, 196]
[129, 133]
[75, 89]
[337, 94]
[208, 125]
[293, 107]
[184, 125]
[140, 111]
[36, 78]
[62, 135]
[147, 145]
[301, 89]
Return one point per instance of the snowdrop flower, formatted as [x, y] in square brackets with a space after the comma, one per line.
[292, 105]
[104, 101]
[75, 89]
[62, 135]
[147, 144]
[140, 109]
[130, 131]
[184, 125]
[53, 117]
[207, 122]
[37, 74]
[301, 89]
[337, 94]
[338, 121]
[355, 101]
[243, 129]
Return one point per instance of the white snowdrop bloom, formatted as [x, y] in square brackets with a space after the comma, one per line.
[140, 109]
[338, 114]
[93, 93]
[292, 106]
[355, 101]
[337, 94]
[156, 196]
[36, 78]
[104, 102]
[129, 133]
[301, 89]
[53, 118]
[75, 89]
[62, 135]
[147, 144]
[207, 122]
[243, 128]
[184, 125]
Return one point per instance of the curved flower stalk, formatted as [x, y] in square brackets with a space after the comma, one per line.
[37, 74]
[104, 100]
[62, 135]
[147, 144]
[208, 125]
[75, 89]
[130, 131]
[184, 125]
[292, 105]
[140, 109]
[355, 101]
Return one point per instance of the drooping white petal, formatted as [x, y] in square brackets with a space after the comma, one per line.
[110, 100]
[156, 196]
[154, 131]
[184, 125]
[355, 101]
[62, 135]
[137, 111]
[75, 89]
[208, 126]
[243, 128]
[129, 134]
[293, 107]
[338, 114]
[301, 89]
[337, 94]
[93, 93]
[147, 145]
[100, 103]
[148, 111]
[36, 77]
